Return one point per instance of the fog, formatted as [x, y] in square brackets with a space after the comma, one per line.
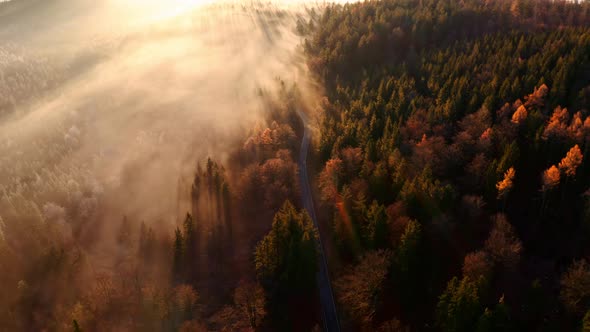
[107, 106]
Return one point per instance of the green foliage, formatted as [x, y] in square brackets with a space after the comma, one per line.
[497, 319]
[288, 254]
[408, 250]
[190, 248]
[76, 327]
[459, 306]
[425, 196]
[586, 322]
[377, 233]
[508, 159]
[286, 259]
[408, 266]
[147, 244]
[428, 91]
[178, 256]
[184, 251]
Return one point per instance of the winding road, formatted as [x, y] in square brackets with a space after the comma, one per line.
[329, 314]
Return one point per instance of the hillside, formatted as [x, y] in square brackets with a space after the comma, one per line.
[453, 136]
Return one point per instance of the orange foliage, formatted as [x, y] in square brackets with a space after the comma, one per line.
[571, 161]
[506, 184]
[576, 128]
[587, 124]
[329, 179]
[520, 115]
[551, 178]
[557, 125]
[536, 99]
[486, 135]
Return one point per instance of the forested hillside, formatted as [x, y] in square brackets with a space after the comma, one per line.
[151, 158]
[148, 176]
[451, 162]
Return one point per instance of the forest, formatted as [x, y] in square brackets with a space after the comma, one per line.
[148, 177]
[451, 162]
[447, 166]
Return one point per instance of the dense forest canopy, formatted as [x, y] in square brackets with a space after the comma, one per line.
[453, 137]
[156, 178]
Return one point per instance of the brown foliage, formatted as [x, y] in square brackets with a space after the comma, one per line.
[536, 99]
[416, 126]
[192, 326]
[360, 290]
[477, 123]
[575, 287]
[485, 140]
[330, 179]
[393, 325]
[502, 244]
[472, 205]
[249, 301]
[271, 183]
[431, 151]
[476, 169]
[477, 264]
[352, 159]
[397, 221]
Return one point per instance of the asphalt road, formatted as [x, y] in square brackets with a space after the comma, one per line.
[329, 313]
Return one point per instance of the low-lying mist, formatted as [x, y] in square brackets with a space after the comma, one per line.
[117, 119]
[112, 104]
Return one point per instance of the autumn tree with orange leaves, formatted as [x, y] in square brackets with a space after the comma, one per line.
[551, 178]
[572, 160]
[506, 184]
[329, 179]
[557, 126]
[519, 115]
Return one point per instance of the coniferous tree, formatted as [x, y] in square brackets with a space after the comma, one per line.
[178, 256]
[189, 245]
[286, 260]
[459, 307]
[407, 266]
